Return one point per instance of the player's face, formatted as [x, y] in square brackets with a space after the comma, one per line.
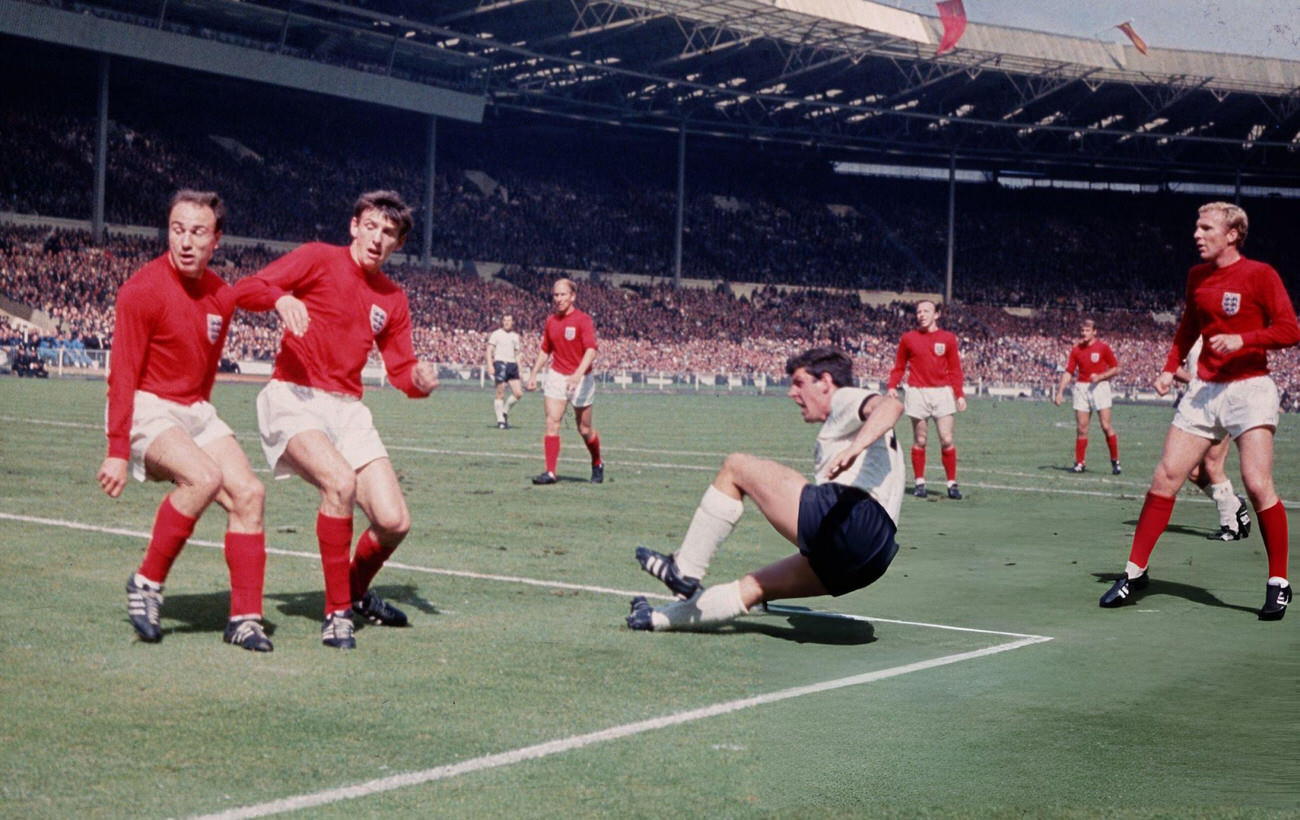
[1213, 237]
[925, 315]
[813, 395]
[507, 322]
[562, 298]
[374, 238]
[192, 237]
[1087, 334]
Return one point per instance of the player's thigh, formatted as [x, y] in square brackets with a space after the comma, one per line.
[1182, 452]
[920, 430]
[240, 487]
[1216, 459]
[1081, 421]
[313, 456]
[790, 577]
[944, 425]
[1256, 449]
[555, 409]
[774, 487]
[173, 456]
[380, 496]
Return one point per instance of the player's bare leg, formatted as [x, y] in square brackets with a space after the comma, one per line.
[1112, 439]
[243, 496]
[948, 453]
[920, 435]
[554, 409]
[172, 456]
[379, 495]
[582, 418]
[1082, 418]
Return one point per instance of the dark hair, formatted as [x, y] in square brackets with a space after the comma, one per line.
[206, 199]
[821, 360]
[388, 203]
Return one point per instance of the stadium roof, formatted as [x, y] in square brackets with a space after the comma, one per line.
[846, 76]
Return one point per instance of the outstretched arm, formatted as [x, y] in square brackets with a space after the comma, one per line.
[879, 415]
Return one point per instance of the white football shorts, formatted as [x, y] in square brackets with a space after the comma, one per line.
[153, 416]
[555, 387]
[1090, 397]
[929, 402]
[1214, 409]
[285, 409]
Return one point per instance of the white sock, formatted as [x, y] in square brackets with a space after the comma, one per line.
[1132, 570]
[713, 605]
[500, 408]
[145, 583]
[1226, 500]
[1273, 579]
[510, 401]
[714, 520]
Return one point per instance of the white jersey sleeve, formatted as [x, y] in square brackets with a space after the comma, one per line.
[878, 470]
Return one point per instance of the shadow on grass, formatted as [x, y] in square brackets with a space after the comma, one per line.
[802, 627]
[1180, 529]
[1196, 595]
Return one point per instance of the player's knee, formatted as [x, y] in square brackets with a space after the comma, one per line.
[204, 479]
[339, 488]
[392, 525]
[247, 496]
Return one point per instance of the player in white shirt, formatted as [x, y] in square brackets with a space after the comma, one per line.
[503, 361]
[843, 522]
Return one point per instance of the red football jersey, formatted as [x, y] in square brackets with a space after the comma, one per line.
[1246, 298]
[567, 338]
[931, 360]
[350, 311]
[1089, 359]
[167, 339]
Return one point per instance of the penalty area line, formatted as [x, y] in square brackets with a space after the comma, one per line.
[574, 742]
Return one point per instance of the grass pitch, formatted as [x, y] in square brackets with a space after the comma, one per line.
[977, 678]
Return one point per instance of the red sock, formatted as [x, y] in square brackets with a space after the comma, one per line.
[1080, 449]
[552, 447]
[949, 457]
[171, 529]
[366, 563]
[335, 538]
[1156, 511]
[593, 447]
[918, 462]
[1112, 441]
[246, 560]
[1273, 528]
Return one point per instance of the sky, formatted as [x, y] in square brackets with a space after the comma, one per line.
[1268, 28]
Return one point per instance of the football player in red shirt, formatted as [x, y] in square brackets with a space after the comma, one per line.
[1241, 310]
[170, 326]
[934, 391]
[569, 340]
[336, 305]
[1096, 365]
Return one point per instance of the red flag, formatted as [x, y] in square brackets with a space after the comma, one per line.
[1138, 42]
[953, 16]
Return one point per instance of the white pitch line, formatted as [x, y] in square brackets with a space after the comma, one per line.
[1116, 493]
[554, 747]
[455, 573]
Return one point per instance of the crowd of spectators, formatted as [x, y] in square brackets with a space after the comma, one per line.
[645, 326]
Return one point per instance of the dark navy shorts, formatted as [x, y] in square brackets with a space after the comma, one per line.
[505, 372]
[846, 535]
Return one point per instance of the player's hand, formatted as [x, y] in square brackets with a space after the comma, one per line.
[293, 313]
[112, 476]
[1226, 342]
[843, 462]
[892, 392]
[1163, 383]
[1057, 399]
[961, 405]
[571, 382]
[425, 377]
[531, 384]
